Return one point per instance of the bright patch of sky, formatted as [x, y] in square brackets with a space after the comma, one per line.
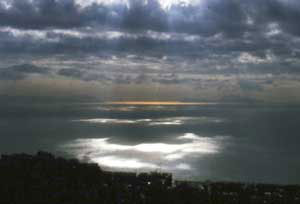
[165, 4]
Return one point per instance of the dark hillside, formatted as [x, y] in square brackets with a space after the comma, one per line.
[44, 178]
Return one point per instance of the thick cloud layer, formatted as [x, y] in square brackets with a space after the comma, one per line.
[233, 18]
[211, 45]
[21, 71]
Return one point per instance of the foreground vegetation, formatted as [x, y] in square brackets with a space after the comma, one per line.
[44, 178]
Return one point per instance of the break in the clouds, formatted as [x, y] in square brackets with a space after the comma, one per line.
[211, 49]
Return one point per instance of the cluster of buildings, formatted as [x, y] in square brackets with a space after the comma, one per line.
[44, 178]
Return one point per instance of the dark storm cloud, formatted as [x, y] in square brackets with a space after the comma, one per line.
[39, 14]
[76, 73]
[211, 51]
[232, 18]
[29, 69]
[21, 71]
[285, 13]
[212, 37]
[52, 42]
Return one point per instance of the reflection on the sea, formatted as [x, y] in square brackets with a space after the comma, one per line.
[154, 122]
[169, 156]
[128, 108]
[117, 162]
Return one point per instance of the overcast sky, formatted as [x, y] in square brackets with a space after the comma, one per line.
[192, 50]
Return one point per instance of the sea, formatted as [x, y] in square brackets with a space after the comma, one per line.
[198, 142]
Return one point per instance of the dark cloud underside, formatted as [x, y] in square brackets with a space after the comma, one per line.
[232, 17]
[209, 45]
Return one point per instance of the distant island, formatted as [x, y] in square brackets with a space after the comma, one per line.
[44, 178]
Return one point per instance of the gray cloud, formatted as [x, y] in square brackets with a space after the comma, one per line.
[21, 71]
[84, 75]
[39, 14]
[76, 73]
[142, 42]
[210, 55]
[232, 18]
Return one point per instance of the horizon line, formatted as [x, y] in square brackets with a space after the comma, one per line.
[157, 103]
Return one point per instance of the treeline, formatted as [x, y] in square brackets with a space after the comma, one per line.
[44, 178]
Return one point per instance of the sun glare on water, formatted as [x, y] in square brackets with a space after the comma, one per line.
[151, 103]
[174, 155]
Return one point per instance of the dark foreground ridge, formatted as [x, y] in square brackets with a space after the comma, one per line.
[44, 178]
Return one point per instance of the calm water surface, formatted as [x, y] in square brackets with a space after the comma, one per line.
[216, 142]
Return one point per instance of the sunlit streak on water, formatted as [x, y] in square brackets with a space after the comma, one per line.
[145, 155]
[117, 162]
[154, 122]
[108, 121]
